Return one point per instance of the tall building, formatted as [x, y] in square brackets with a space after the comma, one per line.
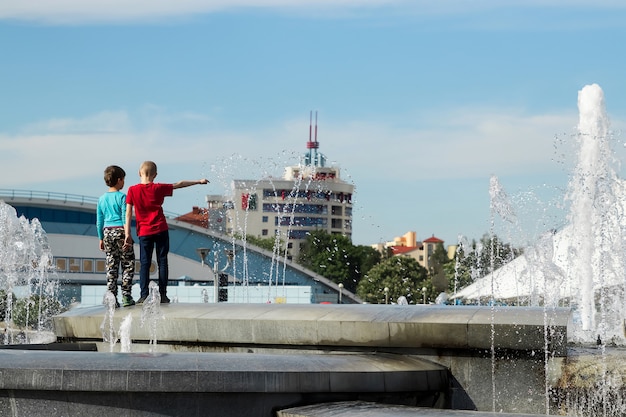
[310, 196]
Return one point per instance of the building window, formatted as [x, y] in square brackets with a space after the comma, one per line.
[87, 265]
[252, 202]
[74, 265]
[265, 219]
[100, 266]
[153, 267]
[264, 232]
[61, 264]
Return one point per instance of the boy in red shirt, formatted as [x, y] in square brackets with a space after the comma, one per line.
[147, 199]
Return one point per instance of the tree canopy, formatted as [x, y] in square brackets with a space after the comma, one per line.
[336, 258]
[365, 271]
[401, 275]
[477, 259]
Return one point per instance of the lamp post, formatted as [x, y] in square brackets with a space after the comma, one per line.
[386, 290]
[203, 253]
[340, 291]
[216, 278]
[424, 295]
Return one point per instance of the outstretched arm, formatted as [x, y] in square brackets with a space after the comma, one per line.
[183, 184]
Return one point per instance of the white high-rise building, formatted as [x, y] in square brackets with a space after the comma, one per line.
[309, 196]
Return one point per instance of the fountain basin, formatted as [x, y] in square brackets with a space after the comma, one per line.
[255, 359]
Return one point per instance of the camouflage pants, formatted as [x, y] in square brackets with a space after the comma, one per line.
[113, 242]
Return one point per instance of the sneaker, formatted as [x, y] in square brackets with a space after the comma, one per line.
[141, 300]
[164, 299]
[127, 301]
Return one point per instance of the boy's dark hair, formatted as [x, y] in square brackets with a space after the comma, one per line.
[112, 174]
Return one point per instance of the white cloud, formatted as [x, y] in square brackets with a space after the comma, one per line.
[104, 122]
[69, 155]
[107, 11]
[458, 144]
[78, 11]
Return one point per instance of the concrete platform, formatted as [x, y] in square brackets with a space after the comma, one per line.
[366, 327]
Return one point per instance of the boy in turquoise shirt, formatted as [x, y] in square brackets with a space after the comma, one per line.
[110, 218]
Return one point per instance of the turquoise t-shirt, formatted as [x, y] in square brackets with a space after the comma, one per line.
[111, 211]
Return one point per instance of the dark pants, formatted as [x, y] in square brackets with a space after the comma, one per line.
[146, 245]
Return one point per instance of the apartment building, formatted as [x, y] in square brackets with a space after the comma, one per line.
[407, 245]
[309, 196]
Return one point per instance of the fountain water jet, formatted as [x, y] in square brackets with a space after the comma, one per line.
[583, 264]
[25, 265]
[107, 326]
[151, 313]
[596, 234]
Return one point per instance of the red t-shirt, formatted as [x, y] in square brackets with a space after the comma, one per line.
[148, 202]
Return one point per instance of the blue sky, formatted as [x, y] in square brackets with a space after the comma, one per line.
[419, 104]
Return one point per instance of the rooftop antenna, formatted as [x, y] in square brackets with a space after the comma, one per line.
[311, 145]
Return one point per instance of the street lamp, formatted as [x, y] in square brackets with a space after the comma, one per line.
[203, 253]
[424, 295]
[386, 290]
[340, 291]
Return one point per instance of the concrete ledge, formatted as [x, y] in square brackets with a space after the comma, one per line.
[38, 383]
[367, 327]
[217, 372]
[368, 409]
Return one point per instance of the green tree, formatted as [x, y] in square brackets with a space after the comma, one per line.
[266, 243]
[367, 257]
[437, 272]
[336, 258]
[477, 259]
[35, 311]
[5, 300]
[402, 275]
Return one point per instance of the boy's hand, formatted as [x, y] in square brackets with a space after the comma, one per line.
[101, 245]
[128, 243]
[203, 181]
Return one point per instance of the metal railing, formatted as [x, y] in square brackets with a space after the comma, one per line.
[47, 195]
[9, 194]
